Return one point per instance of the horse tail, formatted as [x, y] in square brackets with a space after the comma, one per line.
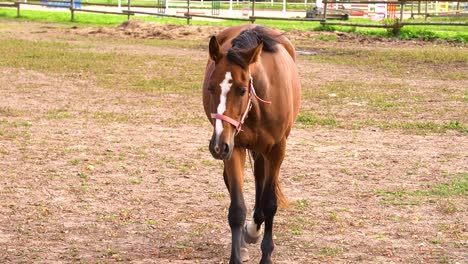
[280, 198]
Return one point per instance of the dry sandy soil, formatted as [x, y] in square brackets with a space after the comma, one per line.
[90, 174]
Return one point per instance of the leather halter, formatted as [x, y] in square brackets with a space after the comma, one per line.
[238, 124]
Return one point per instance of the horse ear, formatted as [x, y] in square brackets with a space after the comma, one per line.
[253, 55]
[215, 54]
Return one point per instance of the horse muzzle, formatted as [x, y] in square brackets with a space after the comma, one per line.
[220, 150]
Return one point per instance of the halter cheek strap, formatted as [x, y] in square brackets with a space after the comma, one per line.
[238, 124]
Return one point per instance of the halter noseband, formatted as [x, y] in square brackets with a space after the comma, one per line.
[238, 124]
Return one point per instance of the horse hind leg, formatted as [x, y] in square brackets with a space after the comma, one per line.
[269, 199]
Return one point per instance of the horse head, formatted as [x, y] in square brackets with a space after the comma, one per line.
[230, 90]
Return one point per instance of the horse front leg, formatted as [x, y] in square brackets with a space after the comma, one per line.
[253, 231]
[234, 177]
[269, 200]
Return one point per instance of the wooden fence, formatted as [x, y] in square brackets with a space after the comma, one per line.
[397, 23]
[324, 19]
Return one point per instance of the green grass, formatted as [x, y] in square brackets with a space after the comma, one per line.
[310, 119]
[330, 251]
[417, 127]
[12, 130]
[457, 186]
[58, 114]
[111, 69]
[63, 17]
[427, 61]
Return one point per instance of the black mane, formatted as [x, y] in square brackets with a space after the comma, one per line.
[248, 39]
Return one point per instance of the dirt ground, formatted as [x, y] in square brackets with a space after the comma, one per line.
[90, 174]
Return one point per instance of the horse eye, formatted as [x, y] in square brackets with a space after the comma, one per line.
[210, 90]
[242, 91]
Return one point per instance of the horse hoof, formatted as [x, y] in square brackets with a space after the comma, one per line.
[251, 239]
[244, 254]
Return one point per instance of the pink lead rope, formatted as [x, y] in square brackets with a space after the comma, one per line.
[238, 124]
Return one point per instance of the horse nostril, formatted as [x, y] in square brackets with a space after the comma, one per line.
[226, 148]
[216, 149]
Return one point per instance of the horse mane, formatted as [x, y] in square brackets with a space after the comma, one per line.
[249, 39]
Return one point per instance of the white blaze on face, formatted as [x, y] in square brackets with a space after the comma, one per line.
[225, 87]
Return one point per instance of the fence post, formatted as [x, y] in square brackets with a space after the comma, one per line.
[325, 11]
[412, 13]
[188, 12]
[425, 13]
[402, 9]
[253, 8]
[17, 4]
[18, 9]
[128, 8]
[72, 10]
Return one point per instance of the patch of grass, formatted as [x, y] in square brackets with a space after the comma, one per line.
[7, 111]
[418, 127]
[208, 163]
[334, 216]
[330, 251]
[458, 186]
[181, 247]
[345, 171]
[21, 124]
[58, 114]
[444, 259]
[401, 62]
[296, 231]
[380, 236]
[325, 28]
[299, 177]
[13, 130]
[63, 17]
[340, 92]
[311, 119]
[112, 116]
[111, 69]
[327, 38]
[398, 197]
[301, 204]
[114, 254]
[382, 103]
[218, 196]
[2, 150]
[112, 217]
[150, 222]
[136, 181]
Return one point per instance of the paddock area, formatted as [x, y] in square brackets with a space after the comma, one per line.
[104, 149]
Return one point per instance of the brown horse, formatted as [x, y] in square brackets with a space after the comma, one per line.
[251, 95]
